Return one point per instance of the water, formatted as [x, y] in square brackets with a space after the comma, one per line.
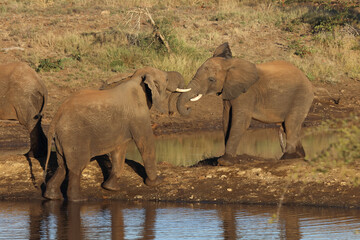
[125, 220]
[134, 220]
[186, 149]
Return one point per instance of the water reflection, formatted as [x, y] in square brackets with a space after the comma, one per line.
[124, 220]
[186, 149]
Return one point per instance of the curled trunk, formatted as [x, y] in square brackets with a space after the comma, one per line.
[185, 97]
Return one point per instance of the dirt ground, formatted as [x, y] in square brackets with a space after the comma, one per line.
[252, 180]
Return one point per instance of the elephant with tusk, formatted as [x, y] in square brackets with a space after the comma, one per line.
[96, 122]
[273, 92]
[23, 97]
[176, 85]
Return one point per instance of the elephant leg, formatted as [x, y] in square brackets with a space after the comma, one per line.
[226, 119]
[282, 139]
[73, 191]
[118, 161]
[38, 141]
[76, 161]
[145, 142]
[53, 185]
[294, 148]
[240, 122]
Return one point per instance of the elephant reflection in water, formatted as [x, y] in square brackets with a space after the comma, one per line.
[69, 220]
[289, 223]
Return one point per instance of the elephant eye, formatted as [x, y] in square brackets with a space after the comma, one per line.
[212, 80]
[157, 86]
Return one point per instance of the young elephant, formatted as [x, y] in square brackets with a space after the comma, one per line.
[23, 98]
[175, 81]
[274, 92]
[96, 122]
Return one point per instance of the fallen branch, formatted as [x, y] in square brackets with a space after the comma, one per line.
[157, 32]
[12, 48]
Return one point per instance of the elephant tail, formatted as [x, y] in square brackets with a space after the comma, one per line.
[318, 91]
[50, 137]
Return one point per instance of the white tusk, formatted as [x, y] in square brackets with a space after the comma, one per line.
[194, 99]
[182, 89]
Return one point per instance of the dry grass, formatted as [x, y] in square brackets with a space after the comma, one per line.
[255, 30]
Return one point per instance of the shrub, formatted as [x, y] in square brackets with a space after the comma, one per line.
[346, 150]
[50, 64]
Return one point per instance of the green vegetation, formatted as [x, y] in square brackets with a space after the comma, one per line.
[344, 151]
[48, 65]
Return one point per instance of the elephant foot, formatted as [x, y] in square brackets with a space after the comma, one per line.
[36, 155]
[53, 195]
[111, 184]
[227, 160]
[299, 153]
[152, 183]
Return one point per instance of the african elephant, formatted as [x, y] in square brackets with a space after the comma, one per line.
[23, 98]
[273, 92]
[175, 81]
[96, 122]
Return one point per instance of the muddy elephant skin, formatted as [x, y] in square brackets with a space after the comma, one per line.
[273, 92]
[96, 122]
[23, 97]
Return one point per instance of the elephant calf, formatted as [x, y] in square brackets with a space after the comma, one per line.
[96, 122]
[273, 92]
[23, 98]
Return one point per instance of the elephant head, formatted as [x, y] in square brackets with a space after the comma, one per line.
[222, 75]
[155, 80]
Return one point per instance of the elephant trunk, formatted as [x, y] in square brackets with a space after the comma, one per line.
[185, 97]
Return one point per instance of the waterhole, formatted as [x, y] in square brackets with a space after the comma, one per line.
[131, 220]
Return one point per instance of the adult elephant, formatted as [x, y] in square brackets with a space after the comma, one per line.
[96, 122]
[273, 92]
[175, 81]
[23, 98]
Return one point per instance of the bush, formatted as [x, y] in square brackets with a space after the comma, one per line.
[50, 64]
[346, 150]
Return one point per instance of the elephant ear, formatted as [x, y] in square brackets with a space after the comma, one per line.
[223, 51]
[239, 78]
[153, 92]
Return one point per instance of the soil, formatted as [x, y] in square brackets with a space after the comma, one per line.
[252, 180]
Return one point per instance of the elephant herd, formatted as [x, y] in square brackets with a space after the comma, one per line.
[95, 122]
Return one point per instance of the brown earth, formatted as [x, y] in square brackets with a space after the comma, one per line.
[252, 180]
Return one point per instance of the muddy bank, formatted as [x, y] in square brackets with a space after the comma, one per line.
[253, 180]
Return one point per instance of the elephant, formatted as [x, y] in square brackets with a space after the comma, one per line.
[272, 92]
[91, 123]
[175, 81]
[23, 98]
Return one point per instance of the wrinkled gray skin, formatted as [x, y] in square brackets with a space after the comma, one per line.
[175, 80]
[96, 122]
[273, 92]
[23, 97]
